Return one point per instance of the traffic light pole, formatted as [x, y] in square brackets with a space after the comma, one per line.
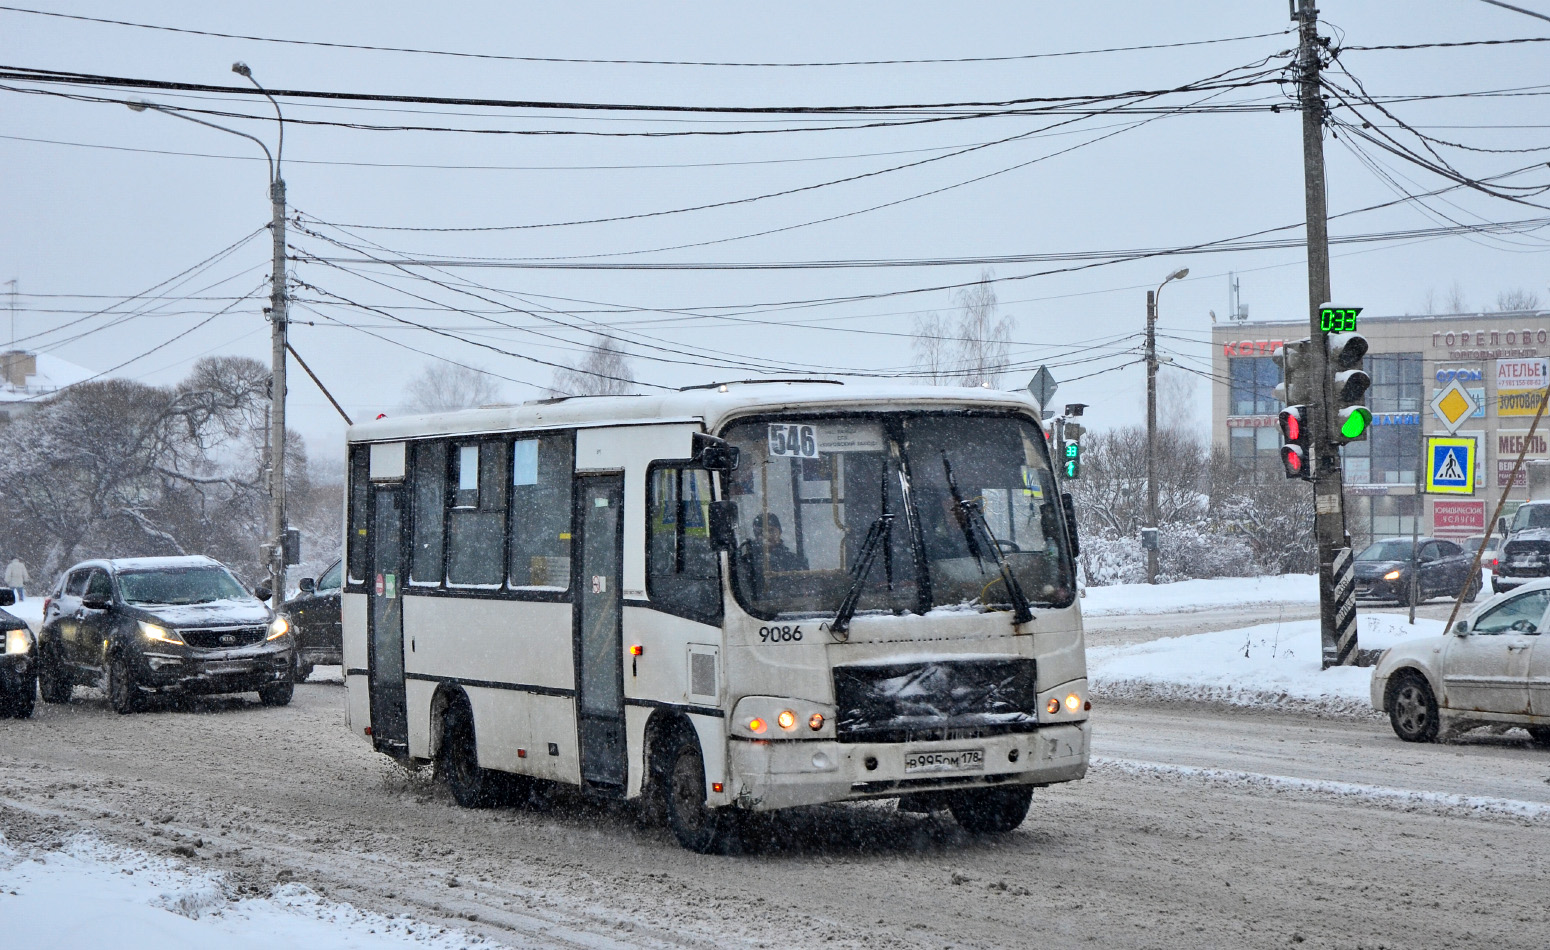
[1337, 588]
[1151, 429]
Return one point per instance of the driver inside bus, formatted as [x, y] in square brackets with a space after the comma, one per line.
[769, 549]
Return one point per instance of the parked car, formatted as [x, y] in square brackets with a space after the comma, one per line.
[1383, 570]
[1525, 550]
[1488, 557]
[1492, 667]
[315, 621]
[161, 625]
[18, 662]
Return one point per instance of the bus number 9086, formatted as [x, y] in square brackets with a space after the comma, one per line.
[780, 634]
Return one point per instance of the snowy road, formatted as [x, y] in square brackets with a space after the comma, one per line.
[1120, 629]
[1177, 839]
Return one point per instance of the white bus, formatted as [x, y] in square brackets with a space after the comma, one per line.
[739, 597]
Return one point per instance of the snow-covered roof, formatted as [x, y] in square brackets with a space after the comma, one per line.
[710, 405]
[161, 563]
[52, 374]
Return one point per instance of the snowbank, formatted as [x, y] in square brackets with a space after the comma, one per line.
[1269, 665]
[30, 610]
[1185, 596]
[90, 894]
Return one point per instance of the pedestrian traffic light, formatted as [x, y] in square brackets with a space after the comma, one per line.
[1071, 450]
[1295, 457]
[1352, 419]
[1296, 386]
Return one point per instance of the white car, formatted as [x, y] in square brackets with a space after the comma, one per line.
[1492, 667]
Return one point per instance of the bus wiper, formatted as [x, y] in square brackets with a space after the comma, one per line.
[840, 628]
[972, 516]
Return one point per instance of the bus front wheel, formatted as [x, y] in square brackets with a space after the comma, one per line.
[696, 825]
[991, 811]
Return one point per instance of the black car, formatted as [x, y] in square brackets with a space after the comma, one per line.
[175, 625]
[1383, 570]
[18, 664]
[315, 621]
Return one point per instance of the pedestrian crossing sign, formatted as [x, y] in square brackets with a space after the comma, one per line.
[1450, 468]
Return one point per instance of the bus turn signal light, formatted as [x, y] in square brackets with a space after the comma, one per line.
[757, 726]
[787, 720]
[1053, 707]
[635, 650]
[815, 721]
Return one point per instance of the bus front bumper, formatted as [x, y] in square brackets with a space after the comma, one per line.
[770, 775]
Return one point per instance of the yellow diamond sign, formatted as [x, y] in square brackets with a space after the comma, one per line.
[1452, 405]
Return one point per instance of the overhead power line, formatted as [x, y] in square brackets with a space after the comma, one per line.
[634, 62]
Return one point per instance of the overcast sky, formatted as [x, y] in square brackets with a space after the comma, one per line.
[110, 222]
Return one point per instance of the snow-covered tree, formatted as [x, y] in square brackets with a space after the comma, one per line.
[603, 369]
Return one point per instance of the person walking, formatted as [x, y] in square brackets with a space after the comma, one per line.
[16, 578]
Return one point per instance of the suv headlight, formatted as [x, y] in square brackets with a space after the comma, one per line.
[17, 641]
[159, 633]
[278, 629]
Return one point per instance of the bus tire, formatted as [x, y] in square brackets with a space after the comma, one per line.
[991, 811]
[696, 825]
[457, 760]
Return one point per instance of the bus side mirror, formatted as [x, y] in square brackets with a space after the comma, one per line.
[1070, 506]
[715, 455]
[723, 525]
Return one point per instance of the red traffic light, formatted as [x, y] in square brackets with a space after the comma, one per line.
[1293, 461]
[1293, 427]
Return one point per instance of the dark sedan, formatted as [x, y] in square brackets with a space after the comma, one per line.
[1442, 569]
[315, 622]
[160, 625]
[18, 662]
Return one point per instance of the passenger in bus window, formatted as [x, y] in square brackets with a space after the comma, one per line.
[769, 549]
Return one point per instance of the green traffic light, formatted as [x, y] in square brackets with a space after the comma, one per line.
[1355, 423]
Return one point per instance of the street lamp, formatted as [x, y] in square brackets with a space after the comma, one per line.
[1151, 420]
[274, 549]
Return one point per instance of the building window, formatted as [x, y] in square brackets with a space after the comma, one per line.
[1254, 379]
[1390, 453]
[1372, 517]
[1256, 449]
[1397, 382]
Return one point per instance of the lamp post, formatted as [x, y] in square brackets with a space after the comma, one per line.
[274, 548]
[1152, 298]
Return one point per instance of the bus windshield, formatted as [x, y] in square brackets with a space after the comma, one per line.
[954, 493]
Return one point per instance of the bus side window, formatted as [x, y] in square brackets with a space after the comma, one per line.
[682, 571]
[475, 542]
[542, 467]
[360, 492]
[430, 501]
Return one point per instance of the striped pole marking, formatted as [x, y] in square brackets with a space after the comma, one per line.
[1344, 571]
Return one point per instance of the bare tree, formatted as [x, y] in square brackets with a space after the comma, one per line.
[603, 369]
[447, 387]
[1520, 299]
[971, 349]
[1176, 393]
[1455, 300]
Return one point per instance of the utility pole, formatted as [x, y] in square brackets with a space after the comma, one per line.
[277, 336]
[1337, 589]
[1151, 432]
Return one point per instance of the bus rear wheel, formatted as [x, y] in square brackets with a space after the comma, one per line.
[696, 825]
[991, 811]
[457, 761]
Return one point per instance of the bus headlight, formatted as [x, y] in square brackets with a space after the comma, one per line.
[159, 633]
[1073, 702]
[777, 717]
[278, 629]
[17, 641]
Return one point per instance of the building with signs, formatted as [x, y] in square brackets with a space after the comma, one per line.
[1478, 372]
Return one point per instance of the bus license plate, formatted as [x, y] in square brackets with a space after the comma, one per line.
[945, 760]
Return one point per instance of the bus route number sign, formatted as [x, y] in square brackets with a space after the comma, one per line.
[793, 441]
[1338, 319]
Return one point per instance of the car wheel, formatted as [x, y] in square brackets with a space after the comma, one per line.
[991, 811]
[696, 825]
[1473, 591]
[20, 704]
[1413, 709]
[300, 669]
[1540, 735]
[53, 680]
[123, 692]
[277, 694]
[1405, 598]
[457, 761]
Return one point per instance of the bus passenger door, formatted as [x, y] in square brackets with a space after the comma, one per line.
[385, 649]
[599, 641]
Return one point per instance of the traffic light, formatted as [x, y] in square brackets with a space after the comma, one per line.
[1296, 386]
[1349, 389]
[1295, 457]
[1071, 450]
